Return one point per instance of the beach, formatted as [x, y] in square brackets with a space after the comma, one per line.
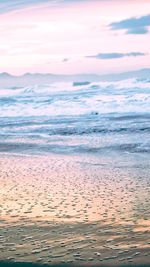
[74, 133]
[76, 210]
[74, 174]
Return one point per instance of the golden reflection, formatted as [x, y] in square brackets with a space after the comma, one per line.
[62, 206]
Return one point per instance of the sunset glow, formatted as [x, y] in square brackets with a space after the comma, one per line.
[60, 36]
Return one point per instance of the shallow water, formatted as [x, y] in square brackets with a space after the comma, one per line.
[96, 118]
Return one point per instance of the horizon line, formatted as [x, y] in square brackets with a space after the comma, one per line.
[75, 74]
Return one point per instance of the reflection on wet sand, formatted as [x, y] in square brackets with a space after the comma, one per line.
[56, 209]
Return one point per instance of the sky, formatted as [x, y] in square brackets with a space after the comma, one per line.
[74, 36]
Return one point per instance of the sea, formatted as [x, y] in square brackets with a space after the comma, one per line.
[107, 120]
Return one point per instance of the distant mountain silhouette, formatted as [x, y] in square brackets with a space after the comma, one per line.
[27, 79]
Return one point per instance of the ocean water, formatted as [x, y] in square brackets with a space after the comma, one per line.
[106, 119]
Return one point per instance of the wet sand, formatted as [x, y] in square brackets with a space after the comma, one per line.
[24, 264]
[69, 210]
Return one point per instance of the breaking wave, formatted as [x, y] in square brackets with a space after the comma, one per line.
[78, 117]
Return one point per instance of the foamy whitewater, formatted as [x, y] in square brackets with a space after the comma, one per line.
[102, 118]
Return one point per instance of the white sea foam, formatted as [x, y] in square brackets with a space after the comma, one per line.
[65, 99]
[89, 118]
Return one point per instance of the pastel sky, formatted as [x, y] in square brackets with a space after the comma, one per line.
[72, 36]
